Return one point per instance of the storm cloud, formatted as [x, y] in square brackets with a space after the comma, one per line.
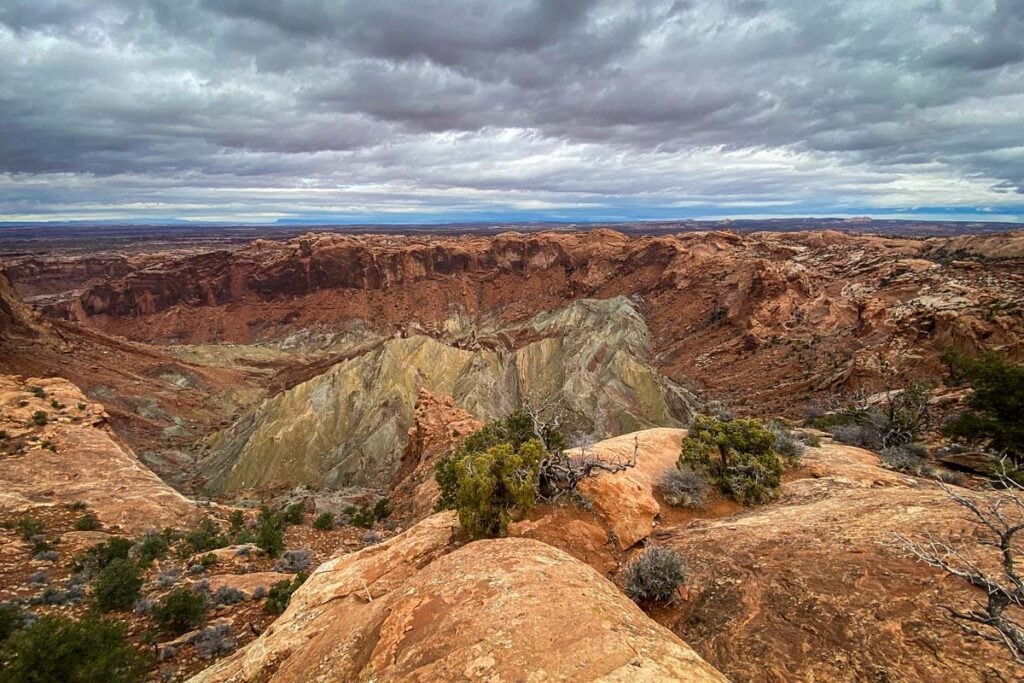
[254, 110]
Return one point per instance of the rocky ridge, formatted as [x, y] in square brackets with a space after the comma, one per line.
[812, 587]
[347, 426]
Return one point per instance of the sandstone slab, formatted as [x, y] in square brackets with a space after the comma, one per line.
[500, 610]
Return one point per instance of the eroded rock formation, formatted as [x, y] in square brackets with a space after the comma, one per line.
[17, 322]
[815, 587]
[438, 428]
[348, 425]
[759, 318]
[153, 400]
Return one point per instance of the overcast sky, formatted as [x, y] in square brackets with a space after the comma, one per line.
[411, 110]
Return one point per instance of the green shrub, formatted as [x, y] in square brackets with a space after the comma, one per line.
[382, 509]
[654, 576]
[280, 594]
[38, 392]
[28, 527]
[99, 556]
[490, 487]
[515, 429]
[237, 522]
[40, 545]
[270, 532]
[737, 456]
[365, 516]
[58, 649]
[12, 618]
[995, 415]
[205, 535]
[180, 610]
[208, 561]
[362, 516]
[292, 514]
[152, 546]
[117, 586]
[39, 418]
[324, 521]
[244, 537]
[88, 522]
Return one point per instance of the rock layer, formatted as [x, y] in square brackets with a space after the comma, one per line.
[759, 318]
[348, 426]
[153, 399]
[17, 322]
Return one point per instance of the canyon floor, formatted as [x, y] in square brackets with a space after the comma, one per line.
[153, 388]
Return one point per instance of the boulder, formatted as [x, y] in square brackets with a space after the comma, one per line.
[626, 499]
[417, 609]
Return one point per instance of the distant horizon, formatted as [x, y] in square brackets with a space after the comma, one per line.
[931, 215]
[836, 220]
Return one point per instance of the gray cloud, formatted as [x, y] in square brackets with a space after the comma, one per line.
[239, 107]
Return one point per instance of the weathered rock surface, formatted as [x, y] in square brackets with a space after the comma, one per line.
[626, 499]
[623, 508]
[348, 426]
[814, 587]
[417, 609]
[17, 321]
[87, 463]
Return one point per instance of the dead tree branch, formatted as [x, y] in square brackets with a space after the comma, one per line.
[990, 565]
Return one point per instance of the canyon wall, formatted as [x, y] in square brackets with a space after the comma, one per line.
[765, 320]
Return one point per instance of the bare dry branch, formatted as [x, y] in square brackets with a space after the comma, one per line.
[1000, 518]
